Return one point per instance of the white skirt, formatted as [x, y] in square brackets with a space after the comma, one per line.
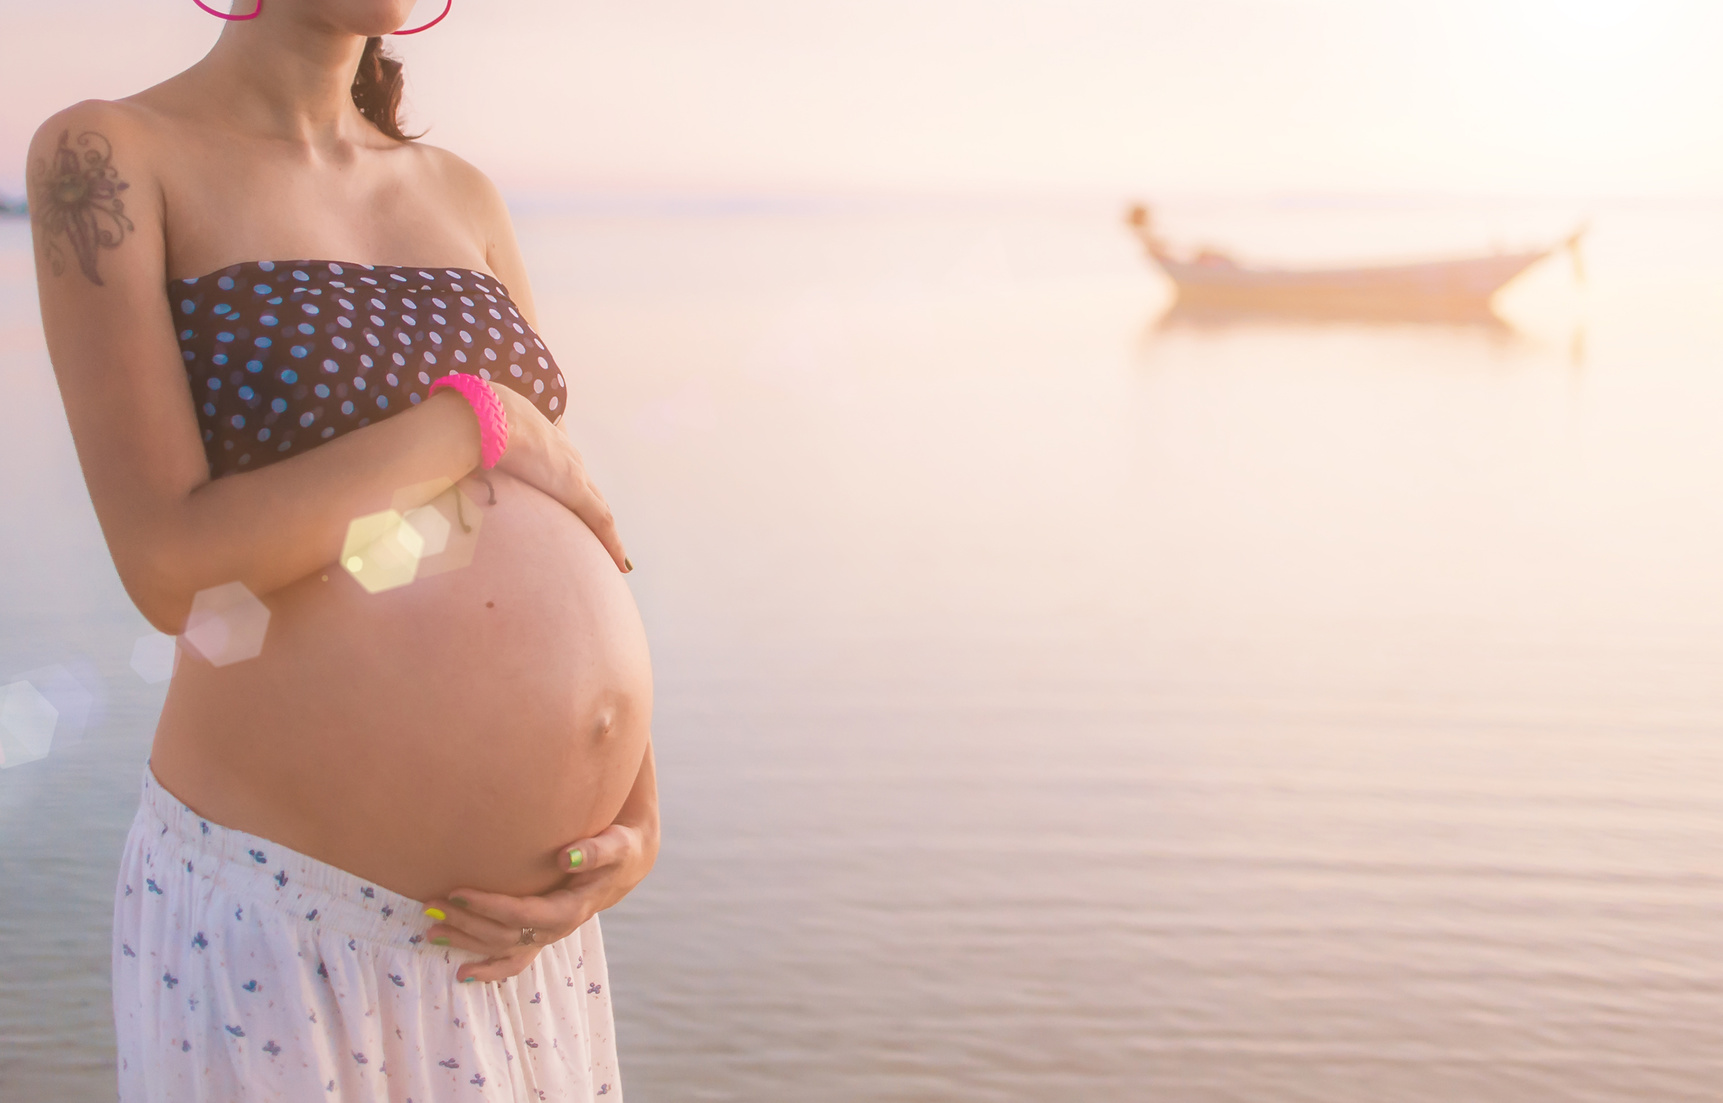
[247, 971]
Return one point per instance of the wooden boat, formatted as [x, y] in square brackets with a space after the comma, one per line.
[1213, 283]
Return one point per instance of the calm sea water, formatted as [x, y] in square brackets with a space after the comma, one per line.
[1058, 703]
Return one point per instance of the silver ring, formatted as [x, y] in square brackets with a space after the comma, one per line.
[528, 935]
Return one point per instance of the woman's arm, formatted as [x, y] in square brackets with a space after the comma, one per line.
[502, 253]
[611, 864]
[99, 217]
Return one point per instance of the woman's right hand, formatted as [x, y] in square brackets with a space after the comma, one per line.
[539, 453]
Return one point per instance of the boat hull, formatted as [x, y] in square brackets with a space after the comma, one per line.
[1436, 290]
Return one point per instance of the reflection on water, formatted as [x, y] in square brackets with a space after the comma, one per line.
[1326, 714]
[1466, 334]
[1406, 312]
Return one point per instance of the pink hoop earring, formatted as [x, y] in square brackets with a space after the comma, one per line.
[230, 18]
[447, 7]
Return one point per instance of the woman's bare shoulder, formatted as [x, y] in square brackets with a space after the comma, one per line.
[92, 184]
[146, 126]
[462, 181]
[481, 202]
[112, 117]
[97, 131]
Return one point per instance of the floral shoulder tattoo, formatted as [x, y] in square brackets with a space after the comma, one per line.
[76, 202]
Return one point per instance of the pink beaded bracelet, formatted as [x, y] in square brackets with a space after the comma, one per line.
[493, 422]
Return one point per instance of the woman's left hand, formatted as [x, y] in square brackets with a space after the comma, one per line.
[609, 865]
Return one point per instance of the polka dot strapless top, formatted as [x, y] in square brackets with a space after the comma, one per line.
[284, 355]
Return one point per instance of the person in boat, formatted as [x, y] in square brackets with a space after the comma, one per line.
[1142, 222]
[368, 859]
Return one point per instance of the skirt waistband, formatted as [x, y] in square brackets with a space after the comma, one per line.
[304, 890]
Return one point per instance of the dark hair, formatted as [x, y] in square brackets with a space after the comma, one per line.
[377, 88]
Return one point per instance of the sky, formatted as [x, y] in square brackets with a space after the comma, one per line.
[1604, 98]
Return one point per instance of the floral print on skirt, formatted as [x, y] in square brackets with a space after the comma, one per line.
[247, 971]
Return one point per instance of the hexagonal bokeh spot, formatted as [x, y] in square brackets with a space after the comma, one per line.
[431, 527]
[154, 657]
[27, 720]
[388, 549]
[70, 694]
[227, 624]
[459, 516]
[382, 551]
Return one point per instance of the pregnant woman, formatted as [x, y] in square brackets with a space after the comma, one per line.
[370, 852]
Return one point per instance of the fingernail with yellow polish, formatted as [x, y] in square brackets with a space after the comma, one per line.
[436, 913]
[439, 942]
[575, 857]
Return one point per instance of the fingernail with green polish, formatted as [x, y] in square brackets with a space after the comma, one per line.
[459, 901]
[575, 857]
[439, 942]
[468, 980]
[436, 913]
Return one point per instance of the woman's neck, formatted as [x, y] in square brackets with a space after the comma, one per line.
[289, 81]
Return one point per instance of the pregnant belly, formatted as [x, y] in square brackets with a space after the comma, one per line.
[455, 731]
